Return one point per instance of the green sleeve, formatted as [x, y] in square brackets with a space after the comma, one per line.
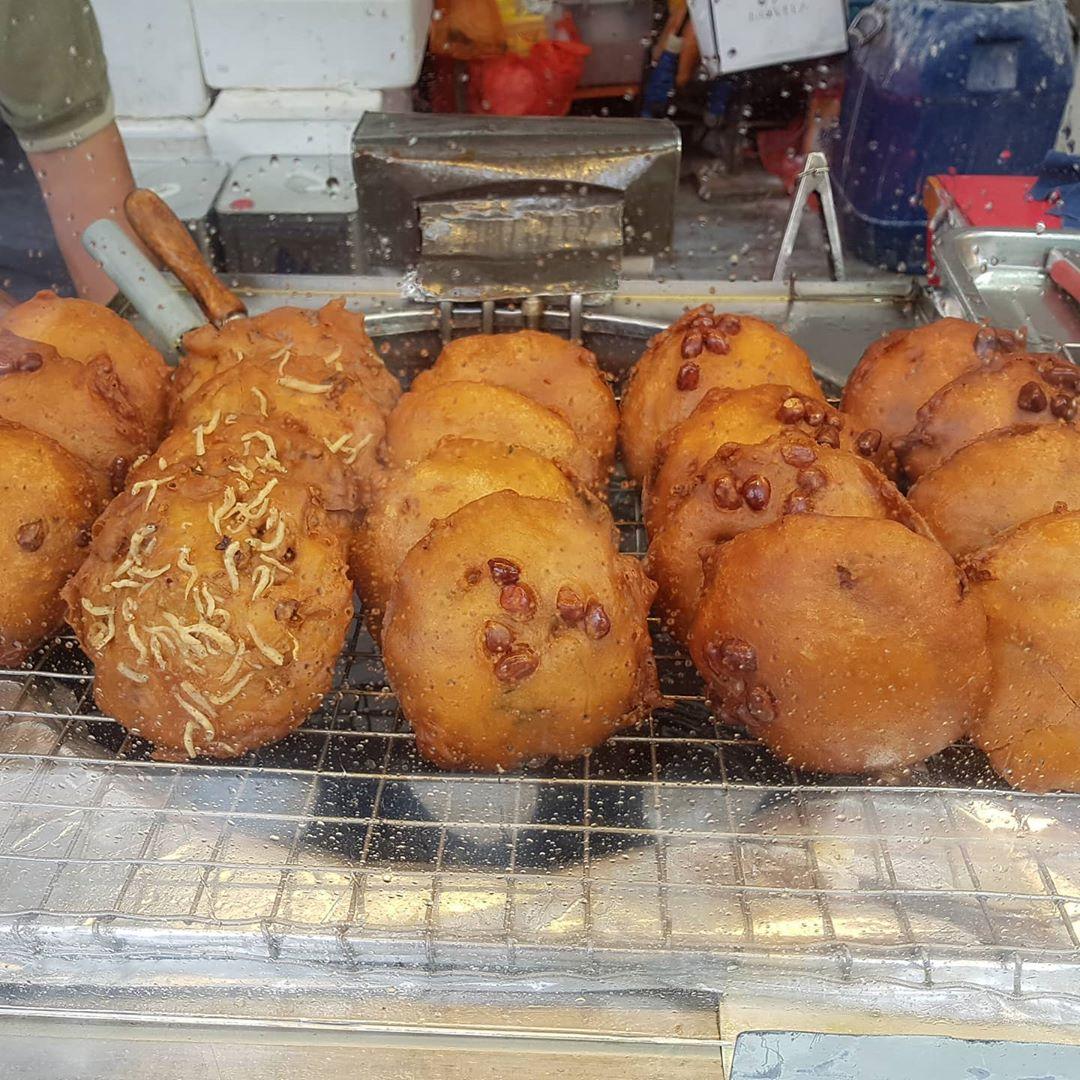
[54, 87]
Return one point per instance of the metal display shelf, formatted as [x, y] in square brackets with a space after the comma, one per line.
[680, 858]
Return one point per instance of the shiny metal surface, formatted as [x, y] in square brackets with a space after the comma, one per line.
[1000, 275]
[338, 877]
[508, 168]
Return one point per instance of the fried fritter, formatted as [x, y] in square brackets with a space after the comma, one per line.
[903, 370]
[1001, 393]
[50, 500]
[701, 351]
[83, 331]
[298, 390]
[491, 413]
[748, 415]
[83, 407]
[844, 644]
[1029, 583]
[515, 631]
[213, 618]
[411, 499]
[999, 481]
[332, 334]
[746, 487]
[549, 369]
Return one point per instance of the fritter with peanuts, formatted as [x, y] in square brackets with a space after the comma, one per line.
[845, 644]
[83, 407]
[410, 499]
[493, 413]
[84, 331]
[702, 350]
[555, 372]
[900, 372]
[1001, 393]
[748, 415]
[213, 612]
[746, 487]
[516, 631]
[1000, 481]
[1028, 581]
[50, 500]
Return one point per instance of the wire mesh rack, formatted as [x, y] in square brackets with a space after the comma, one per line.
[669, 853]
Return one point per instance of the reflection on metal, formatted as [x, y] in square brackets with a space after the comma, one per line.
[565, 195]
[1001, 276]
[499, 247]
[814, 179]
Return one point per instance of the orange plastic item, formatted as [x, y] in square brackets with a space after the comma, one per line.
[467, 29]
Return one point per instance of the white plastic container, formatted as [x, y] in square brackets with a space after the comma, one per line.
[739, 35]
[254, 123]
[164, 138]
[299, 44]
[153, 55]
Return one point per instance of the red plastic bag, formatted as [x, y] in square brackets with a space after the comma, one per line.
[541, 84]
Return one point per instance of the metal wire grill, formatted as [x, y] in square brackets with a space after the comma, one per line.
[672, 845]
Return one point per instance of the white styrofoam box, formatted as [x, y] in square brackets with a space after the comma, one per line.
[303, 44]
[738, 35]
[153, 55]
[254, 123]
[164, 138]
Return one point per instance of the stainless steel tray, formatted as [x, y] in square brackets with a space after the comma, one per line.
[337, 876]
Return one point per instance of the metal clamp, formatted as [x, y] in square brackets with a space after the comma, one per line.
[813, 178]
[531, 308]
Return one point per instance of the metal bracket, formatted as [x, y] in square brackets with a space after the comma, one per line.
[813, 178]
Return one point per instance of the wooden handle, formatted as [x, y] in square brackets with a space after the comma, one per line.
[168, 238]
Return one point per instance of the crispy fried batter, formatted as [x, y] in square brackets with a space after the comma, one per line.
[412, 498]
[701, 351]
[746, 487]
[214, 617]
[1029, 583]
[301, 391]
[748, 415]
[50, 499]
[999, 481]
[84, 331]
[549, 369]
[515, 631]
[83, 407]
[493, 413]
[903, 370]
[1001, 393]
[331, 334]
[845, 644]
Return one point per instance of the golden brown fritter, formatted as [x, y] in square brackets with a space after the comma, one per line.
[844, 644]
[903, 370]
[297, 390]
[412, 498]
[551, 370]
[50, 500]
[1028, 581]
[83, 407]
[746, 487]
[748, 415]
[492, 413]
[332, 334]
[999, 481]
[1001, 393]
[701, 351]
[213, 618]
[83, 331]
[515, 631]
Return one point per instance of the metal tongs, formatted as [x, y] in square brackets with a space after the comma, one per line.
[814, 179]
